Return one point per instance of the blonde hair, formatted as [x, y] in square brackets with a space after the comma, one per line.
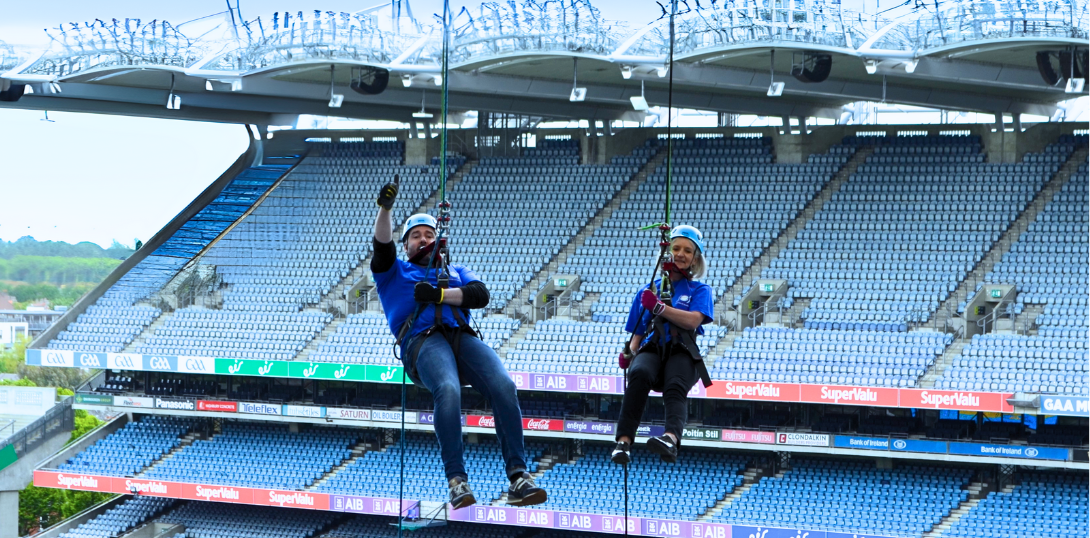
[699, 267]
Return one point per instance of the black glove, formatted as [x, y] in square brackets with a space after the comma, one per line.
[426, 293]
[388, 194]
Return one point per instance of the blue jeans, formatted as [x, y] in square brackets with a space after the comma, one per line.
[477, 364]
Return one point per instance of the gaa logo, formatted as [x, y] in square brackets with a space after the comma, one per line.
[900, 444]
[1031, 452]
[123, 362]
[159, 363]
[54, 359]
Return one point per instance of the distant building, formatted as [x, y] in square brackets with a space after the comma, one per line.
[7, 302]
[41, 305]
[36, 321]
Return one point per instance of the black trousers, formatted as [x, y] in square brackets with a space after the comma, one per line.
[676, 375]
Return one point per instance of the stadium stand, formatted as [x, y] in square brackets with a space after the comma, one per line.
[114, 320]
[708, 477]
[1052, 504]
[365, 338]
[214, 520]
[739, 219]
[119, 519]
[866, 358]
[893, 242]
[852, 497]
[249, 335]
[1048, 265]
[132, 448]
[376, 527]
[537, 203]
[580, 347]
[377, 473]
[258, 455]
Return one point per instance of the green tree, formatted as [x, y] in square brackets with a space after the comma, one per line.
[43, 507]
[10, 359]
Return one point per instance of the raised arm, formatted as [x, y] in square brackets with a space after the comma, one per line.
[384, 221]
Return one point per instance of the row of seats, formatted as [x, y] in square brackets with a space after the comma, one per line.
[132, 448]
[120, 518]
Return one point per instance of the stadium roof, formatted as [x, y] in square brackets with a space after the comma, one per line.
[525, 58]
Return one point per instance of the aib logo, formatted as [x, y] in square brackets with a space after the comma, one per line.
[234, 368]
[900, 444]
[313, 369]
[341, 372]
[264, 370]
[389, 374]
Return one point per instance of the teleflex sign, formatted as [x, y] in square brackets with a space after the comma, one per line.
[569, 383]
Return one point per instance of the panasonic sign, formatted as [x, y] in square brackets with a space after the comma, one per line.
[177, 405]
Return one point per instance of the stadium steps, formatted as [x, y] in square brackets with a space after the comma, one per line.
[937, 370]
[510, 344]
[751, 476]
[546, 463]
[978, 491]
[312, 346]
[358, 451]
[1001, 247]
[331, 300]
[149, 331]
[1029, 317]
[753, 272]
[522, 299]
[187, 439]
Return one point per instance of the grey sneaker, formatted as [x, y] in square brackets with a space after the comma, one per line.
[460, 494]
[523, 492]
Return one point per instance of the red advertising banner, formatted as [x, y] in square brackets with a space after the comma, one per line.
[481, 421]
[956, 399]
[153, 488]
[214, 405]
[224, 494]
[752, 390]
[543, 424]
[839, 394]
[82, 482]
[291, 499]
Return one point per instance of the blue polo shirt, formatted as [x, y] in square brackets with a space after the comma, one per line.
[395, 291]
[689, 295]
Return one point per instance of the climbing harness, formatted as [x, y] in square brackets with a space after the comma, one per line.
[439, 259]
[665, 291]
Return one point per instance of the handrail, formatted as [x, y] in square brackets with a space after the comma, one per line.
[34, 434]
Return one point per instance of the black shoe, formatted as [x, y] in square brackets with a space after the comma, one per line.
[523, 492]
[460, 494]
[621, 453]
[665, 447]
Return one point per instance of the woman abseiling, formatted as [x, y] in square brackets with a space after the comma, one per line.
[662, 352]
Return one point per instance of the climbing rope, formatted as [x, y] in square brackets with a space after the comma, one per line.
[665, 288]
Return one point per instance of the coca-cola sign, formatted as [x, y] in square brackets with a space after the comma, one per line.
[543, 424]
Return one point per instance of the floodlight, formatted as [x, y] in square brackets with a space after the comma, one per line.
[626, 72]
[335, 100]
[577, 94]
[174, 102]
[775, 89]
[208, 85]
[1075, 85]
[437, 80]
[236, 85]
[422, 115]
[910, 67]
[638, 102]
[871, 65]
[407, 80]
[662, 71]
[54, 87]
